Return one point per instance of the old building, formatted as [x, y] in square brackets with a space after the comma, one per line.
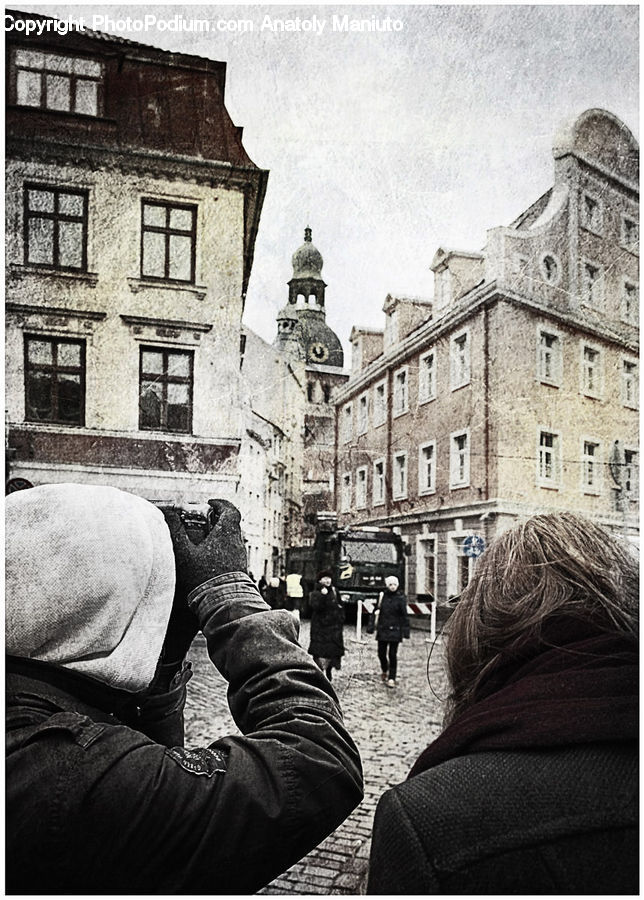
[270, 462]
[131, 215]
[517, 390]
[303, 335]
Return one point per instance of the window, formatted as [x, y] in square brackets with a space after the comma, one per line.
[550, 269]
[168, 239]
[345, 497]
[549, 459]
[426, 378]
[55, 227]
[549, 359]
[591, 213]
[326, 390]
[629, 383]
[347, 423]
[590, 467]
[378, 482]
[361, 487]
[592, 283]
[459, 565]
[363, 411]
[460, 361]
[53, 81]
[401, 391]
[427, 468]
[630, 236]
[631, 473]
[630, 302]
[591, 375]
[400, 476]
[165, 390]
[310, 391]
[380, 404]
[54, 380]
[426, 566]
[459, 463]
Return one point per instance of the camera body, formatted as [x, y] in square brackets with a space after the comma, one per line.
[198, 522]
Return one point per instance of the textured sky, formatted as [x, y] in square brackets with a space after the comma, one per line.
[392, 143]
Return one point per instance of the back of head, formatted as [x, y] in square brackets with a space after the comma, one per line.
[551, 568]
[89, 581]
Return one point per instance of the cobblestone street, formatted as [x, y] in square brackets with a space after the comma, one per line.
[390, 727]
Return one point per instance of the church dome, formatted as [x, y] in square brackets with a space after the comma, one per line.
[307, 259]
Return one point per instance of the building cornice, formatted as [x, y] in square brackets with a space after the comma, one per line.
[31, 309]
[166, 323]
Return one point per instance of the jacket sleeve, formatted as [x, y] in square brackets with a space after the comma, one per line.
[230, 817]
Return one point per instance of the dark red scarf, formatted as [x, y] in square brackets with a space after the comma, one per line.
[576, 692]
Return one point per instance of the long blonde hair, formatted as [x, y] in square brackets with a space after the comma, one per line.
[558, 565]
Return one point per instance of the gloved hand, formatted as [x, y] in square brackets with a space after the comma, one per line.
[221, 551]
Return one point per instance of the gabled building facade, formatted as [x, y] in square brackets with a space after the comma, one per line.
[131, 215]
[518, 393]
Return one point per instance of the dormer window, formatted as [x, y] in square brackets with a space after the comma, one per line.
[57, 82]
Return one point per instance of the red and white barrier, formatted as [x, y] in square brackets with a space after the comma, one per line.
[413, 609]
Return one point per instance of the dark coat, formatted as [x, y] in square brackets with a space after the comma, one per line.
[393, 621]
[327, 619]
[550, 821]
[96, 807]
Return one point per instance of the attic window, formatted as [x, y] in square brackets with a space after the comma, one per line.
[53, 81]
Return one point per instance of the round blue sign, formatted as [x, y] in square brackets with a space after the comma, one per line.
[473, 545]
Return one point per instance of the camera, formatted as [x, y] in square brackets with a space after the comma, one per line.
[198, 522]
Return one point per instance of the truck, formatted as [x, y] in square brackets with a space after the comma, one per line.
[359, 559]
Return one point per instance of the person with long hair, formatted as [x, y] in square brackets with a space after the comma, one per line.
[532, 785]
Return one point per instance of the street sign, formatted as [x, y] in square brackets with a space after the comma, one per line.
[473, 545]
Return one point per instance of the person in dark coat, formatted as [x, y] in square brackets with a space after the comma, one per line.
[532, 787]
[102, 796]
[327, 618]
[392, 626]
[273, 593]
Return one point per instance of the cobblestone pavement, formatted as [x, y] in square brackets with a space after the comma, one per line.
[389, 725]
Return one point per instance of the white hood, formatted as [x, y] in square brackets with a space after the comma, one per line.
[90, 579]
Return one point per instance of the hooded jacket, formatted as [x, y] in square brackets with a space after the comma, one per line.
[102, 797]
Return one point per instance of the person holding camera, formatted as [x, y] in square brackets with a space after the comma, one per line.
[103, 599]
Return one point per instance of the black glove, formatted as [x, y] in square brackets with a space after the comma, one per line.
[221, 551]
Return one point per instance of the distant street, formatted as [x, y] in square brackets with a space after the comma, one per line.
[390, 726]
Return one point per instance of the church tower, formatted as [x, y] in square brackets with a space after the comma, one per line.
[302, 331]
[302, 334]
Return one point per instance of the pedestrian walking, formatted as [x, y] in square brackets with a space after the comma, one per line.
[262, 584]
[532, 787]
[273, 593]
[101, 796]
[294, 592]
[327, 618]
[391, 624]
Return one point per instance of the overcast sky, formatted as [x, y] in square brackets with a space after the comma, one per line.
[390, 144]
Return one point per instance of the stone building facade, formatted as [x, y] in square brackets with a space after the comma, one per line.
[516, 390]
[131, 215]
[270, 463]
[304, 336]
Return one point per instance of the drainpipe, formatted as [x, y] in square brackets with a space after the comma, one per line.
[388, 463]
